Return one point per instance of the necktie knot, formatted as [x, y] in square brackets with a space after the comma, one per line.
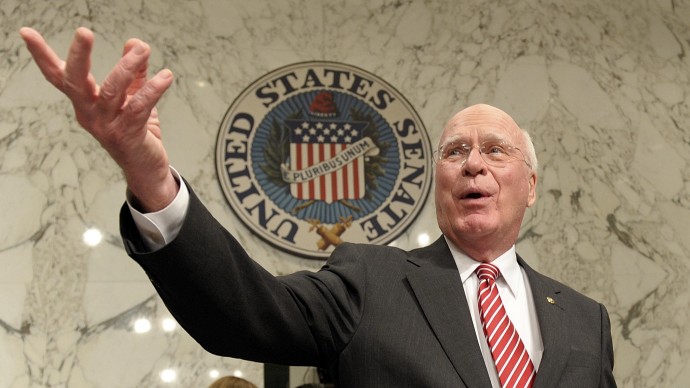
[487, 271]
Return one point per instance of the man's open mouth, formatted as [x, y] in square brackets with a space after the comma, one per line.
[473, 195]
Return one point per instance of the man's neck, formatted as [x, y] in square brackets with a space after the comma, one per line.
[481, 252]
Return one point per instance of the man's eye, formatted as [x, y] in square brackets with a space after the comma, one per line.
[495, 149]
[453, 152]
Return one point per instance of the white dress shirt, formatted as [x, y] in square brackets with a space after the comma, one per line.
[160, 228]
[516, 294]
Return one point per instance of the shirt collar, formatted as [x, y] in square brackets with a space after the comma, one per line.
[506, 263]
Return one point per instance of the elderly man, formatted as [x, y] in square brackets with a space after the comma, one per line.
[466, 311]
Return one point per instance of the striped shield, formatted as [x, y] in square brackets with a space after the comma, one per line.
[326, 159]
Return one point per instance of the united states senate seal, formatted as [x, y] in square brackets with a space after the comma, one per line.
[315, 154]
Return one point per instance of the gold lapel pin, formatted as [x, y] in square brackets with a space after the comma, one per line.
[550, 300]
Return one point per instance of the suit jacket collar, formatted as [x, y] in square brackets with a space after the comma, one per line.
[433, 277]
[552, 315]
[435, 281]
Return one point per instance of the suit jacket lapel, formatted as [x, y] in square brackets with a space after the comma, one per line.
[552, 316]
[435, 281]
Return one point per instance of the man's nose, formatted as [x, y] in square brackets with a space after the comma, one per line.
[474, 164]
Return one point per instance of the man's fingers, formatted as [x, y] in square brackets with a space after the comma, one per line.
[140, 105]
[77, 83]
[123, 106]
[141, 74]
[113, 91]
[47, 61]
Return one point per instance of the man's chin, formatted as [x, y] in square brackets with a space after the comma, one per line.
[473, 226]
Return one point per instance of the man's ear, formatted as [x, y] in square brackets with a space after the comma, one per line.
[532, 196]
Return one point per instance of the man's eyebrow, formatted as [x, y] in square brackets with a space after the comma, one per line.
[454, 139]
[495, 138]
[488, 137]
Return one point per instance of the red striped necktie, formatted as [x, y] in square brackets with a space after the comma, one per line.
[515, 369]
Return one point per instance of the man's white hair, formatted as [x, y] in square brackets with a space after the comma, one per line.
[529, 152]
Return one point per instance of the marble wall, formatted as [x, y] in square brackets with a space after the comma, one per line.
[603, 87]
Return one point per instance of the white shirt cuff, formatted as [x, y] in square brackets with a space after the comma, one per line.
[159, 228]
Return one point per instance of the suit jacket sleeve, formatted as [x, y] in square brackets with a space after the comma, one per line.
[233, 307]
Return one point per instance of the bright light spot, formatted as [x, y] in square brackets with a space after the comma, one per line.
[142, 325]
[201, 84]
[168, 324]
[237, 373]
[423, 239]
[213, 374]
[92, 237]
[168, 375]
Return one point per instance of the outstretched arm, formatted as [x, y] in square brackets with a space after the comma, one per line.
[120, 113]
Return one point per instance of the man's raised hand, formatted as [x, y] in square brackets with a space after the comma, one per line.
[120, 113]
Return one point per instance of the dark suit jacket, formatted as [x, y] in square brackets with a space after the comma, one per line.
[376, 316]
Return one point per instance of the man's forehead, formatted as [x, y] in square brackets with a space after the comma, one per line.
[483, 120]
[481, 137]
[480, 132]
